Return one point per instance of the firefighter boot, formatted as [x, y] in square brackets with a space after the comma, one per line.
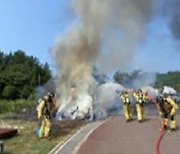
[173, 125]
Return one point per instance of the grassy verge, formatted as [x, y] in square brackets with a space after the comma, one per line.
[16, 106]
[27, 141]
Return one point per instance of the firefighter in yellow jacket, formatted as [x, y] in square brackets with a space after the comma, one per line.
[127, 106]
[44, 113]
[168, 108]
[145, 100]
[140, 105]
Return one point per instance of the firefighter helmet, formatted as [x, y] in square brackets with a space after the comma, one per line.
[46, 97]
[139, 90]
[50, 94]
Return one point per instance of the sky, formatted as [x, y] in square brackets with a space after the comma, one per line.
[160, 52]
[34, 26]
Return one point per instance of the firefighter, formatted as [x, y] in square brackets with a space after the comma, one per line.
[127, 106]
[145, 97]
[168, 107]
[44, 113]
[140, 105]
[160, 100]
[145, 100]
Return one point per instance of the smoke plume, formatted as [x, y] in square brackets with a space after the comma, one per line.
[126, 29]
[108, 100]
[173, 11]
[143, 79]
[105, 32]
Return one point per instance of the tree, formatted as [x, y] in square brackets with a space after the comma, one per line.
[125, 77]
[22, 74]
[26, 92]
[118, 77]
[9, 92]
[171, 79]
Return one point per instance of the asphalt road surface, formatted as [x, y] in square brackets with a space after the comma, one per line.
[115, 136]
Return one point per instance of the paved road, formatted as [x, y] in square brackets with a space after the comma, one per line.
[115, 136]
[73, 142]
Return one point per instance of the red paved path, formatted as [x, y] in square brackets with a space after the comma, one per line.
[118, 137]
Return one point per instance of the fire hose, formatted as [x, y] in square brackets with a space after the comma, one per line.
[163, 131]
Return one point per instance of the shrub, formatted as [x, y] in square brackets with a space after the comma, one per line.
[16, 106]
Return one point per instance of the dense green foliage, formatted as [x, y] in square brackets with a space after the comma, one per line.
[171, 79]
[125, 77]
[16, 106]
[21, 75]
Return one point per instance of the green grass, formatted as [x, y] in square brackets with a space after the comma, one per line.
[27, 142]
[20, 114]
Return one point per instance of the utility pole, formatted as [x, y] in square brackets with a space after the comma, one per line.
[39, 79]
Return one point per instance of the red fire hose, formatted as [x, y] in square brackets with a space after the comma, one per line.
[163, 131]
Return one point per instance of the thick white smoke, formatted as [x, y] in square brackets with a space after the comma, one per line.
[169, 90]
[106, 32]
[143, 79]
[108, 100]
[75, 53]
[152, 92]
[126, 29]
